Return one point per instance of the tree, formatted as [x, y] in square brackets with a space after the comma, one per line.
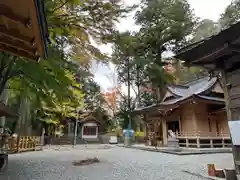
[165, 24]
[231, 15]
[123, 112]
[52, 84]
[204, 29]
[185, 74]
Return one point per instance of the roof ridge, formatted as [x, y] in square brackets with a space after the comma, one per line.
[178, 85]
[197, 79]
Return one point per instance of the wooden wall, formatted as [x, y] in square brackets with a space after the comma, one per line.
[188, 123]
[195, 119]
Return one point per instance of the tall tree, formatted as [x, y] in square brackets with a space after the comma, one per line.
[204, 29]
[165, 24]
[73, 26]
[231, 15]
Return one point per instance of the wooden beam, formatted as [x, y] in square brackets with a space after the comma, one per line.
[204, 63]
[17, 45]
[15, 34]
[18, 53]
[8, 13]
[235, 47]
[234, 67]
[209, 55]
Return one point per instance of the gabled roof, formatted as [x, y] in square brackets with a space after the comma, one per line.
[89, 118]
[188, 91]
[194, 87]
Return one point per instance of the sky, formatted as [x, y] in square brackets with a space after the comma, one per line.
[205, 9]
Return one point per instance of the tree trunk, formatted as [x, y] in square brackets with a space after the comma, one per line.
[21, 123]
[129, 93]
[138, 86]
[4, 99]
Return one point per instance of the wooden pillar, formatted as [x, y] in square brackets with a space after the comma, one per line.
[235, 151]
[194, 118]
[164, 131]
[223, 144]
[187, 142]
[180, 125]
[198, 142]
[146, 135]
[180, 120]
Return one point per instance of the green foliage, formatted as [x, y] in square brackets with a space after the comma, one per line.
[231, 15]
[164, 24]
[79, 23]
[185, 74]
[124, 112]
[205, 29]
[50, 87]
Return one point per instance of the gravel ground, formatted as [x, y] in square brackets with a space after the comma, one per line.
[116, 164]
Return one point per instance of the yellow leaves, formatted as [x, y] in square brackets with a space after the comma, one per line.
[81, 58]
[81, 34]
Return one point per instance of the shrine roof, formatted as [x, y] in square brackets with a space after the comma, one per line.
[181, 94]
[23, 28]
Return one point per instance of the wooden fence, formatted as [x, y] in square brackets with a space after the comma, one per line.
[23, 144]
[204, 140]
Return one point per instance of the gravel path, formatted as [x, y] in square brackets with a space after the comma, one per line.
[116, 164]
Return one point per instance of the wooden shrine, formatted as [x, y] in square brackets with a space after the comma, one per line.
[221, 54]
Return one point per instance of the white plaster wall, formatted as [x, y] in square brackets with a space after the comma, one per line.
[90, 136]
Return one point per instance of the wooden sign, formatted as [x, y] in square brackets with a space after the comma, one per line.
[234, 127]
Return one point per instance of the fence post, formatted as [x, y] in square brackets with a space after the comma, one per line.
[223, 142]
[18, 143]
[187, 142]
[198, 142]
[211, 143]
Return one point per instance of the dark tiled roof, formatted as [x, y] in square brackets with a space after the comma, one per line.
[191, 89]
[194, 87]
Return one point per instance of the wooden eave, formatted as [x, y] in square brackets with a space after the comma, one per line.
[164, 109]
[23, 28]
[213, 52]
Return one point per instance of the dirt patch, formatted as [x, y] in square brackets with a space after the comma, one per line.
[86, 162]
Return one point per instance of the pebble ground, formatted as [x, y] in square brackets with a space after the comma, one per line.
[116, 164]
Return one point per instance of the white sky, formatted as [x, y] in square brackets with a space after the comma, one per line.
[205, 9]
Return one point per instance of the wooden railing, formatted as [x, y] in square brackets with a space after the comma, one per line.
[203, 134]
[204, 140]
[22, 144]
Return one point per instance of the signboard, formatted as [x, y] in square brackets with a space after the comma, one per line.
[234, 127]
[128, 132]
